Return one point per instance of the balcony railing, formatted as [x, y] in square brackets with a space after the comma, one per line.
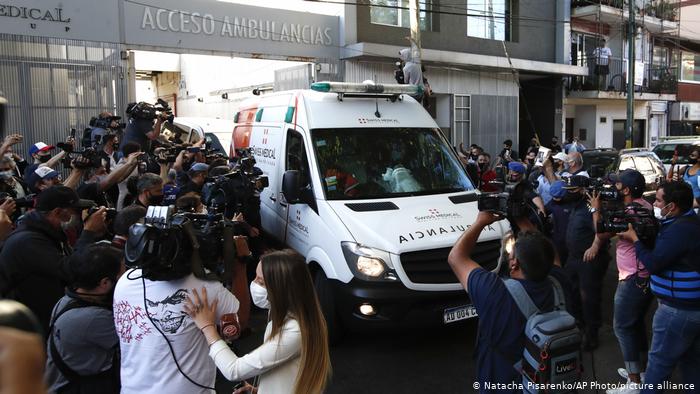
[661, 9]
[657, 79]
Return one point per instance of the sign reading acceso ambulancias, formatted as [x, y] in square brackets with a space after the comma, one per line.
[196, 23]
[230, 27]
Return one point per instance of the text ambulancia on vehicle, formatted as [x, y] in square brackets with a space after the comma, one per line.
[363, 183]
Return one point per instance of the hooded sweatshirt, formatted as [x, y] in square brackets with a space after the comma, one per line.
[411, 71]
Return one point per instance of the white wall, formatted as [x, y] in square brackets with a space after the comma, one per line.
[586, 119]
[206, 77]
[616, 111]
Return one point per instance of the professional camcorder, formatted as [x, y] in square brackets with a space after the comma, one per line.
[91, 157]
[106, 123]
[144, 110]
[642, 220]
[170, 245]
[605, 190]
[510, 203]
[237, 191]
[22, 202]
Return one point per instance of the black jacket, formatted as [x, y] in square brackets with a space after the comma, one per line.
[34, 265]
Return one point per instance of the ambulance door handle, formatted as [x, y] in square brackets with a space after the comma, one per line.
[273, 198]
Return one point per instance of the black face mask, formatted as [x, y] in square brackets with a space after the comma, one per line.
[483, 166]
[44, 159]
[155, 199]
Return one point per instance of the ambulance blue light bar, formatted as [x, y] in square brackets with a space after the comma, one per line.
[366, 88]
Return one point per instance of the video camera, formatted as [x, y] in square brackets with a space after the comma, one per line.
[144, 110]
[605, 190]
[106, 123]
[22, 202]
[642, 220]
[169, 246]
[509, 203]
[92, 158]
[237, 191]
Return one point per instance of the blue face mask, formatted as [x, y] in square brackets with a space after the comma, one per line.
[6, 175]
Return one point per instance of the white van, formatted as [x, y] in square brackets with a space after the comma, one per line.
[364, 184]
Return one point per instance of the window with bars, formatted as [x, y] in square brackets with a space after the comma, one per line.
[462, 119]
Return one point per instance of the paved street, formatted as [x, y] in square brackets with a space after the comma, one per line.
[437, 361]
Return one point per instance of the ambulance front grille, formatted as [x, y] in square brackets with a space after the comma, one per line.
[430, 266]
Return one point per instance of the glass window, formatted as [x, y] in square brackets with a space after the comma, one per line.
[489, 19]
[665, 152]
[626, 164]
[386, 162]
[396, 13]
[690, 67]
[643, 165]
[296, 156]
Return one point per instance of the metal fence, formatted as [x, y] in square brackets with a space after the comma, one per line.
[54, 85]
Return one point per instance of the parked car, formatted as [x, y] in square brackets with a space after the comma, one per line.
[668, 146]
[601, 162]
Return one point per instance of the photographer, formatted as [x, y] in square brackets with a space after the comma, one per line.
[675, 279]
[40, 152]
[99, 181]
[9, 183]
[123, 221]
[585, 275]
[500, 340]
[632, 296]
[142, 129]
[196, 177]
[105, 125]
[516, 175]
[162, 350]
[34, 258]
[6, 151]
[83, 348]
[150, 190]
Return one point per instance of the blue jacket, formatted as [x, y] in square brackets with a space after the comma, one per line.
[674, 263]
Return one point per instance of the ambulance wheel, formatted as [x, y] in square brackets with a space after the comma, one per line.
[324, 291]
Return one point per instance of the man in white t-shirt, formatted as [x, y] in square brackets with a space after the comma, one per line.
[147, 364]
[602, 56]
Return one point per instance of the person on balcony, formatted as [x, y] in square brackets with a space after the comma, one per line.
[602, 56]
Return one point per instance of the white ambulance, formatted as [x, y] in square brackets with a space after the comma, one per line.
[364, 184]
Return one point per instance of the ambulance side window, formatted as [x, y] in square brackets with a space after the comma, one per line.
[296, 156]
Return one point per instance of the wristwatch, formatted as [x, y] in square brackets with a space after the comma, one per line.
[594, 210]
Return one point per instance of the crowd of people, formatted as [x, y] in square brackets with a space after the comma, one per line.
[63, 256]
[101, 316]
[566, 243]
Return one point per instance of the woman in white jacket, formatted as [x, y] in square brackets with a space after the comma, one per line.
[294, 356]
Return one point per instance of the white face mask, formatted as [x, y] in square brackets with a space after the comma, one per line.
[259, 295]
[657, 213]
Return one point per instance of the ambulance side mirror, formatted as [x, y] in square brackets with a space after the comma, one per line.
[291, 186]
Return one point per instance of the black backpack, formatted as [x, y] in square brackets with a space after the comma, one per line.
[106, 382]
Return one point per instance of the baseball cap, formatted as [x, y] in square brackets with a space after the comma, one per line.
[45, 173]
[517, 167]
[557, 190]
[560, 156]
[40, 147]
[630, 178]
[198, 167]
[60, 196]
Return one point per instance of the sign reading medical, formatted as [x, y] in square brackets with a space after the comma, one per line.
[71, 19]
[37, 14]
[220, 26]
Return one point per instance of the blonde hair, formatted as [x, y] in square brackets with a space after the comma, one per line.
[291, 292]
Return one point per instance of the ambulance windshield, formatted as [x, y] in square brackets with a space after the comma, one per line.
[367, 163]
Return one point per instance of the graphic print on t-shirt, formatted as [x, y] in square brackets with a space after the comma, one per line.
[167, 314]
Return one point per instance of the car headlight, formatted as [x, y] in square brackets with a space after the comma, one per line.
[368, 263]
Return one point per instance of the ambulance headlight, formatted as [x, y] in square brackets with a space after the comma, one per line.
[368, 263]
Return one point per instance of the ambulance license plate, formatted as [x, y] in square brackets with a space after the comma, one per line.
[452, 315]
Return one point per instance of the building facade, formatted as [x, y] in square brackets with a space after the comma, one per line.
[596, 104]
